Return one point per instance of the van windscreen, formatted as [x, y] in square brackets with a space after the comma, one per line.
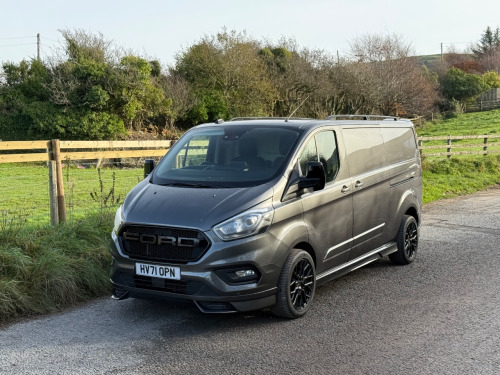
[226, 156]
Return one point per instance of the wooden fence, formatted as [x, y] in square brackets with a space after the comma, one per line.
[54, 152]
[482, 105]
[81, 150]
[96, 150]
[455, 145]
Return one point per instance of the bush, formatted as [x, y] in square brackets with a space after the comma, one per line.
[458, 85]
[43, 270]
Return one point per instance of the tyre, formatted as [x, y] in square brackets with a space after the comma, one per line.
[296, 286]
[407, 241]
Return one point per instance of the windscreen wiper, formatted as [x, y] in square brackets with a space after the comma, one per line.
[195, 185]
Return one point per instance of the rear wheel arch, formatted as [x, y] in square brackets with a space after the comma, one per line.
[412, 211]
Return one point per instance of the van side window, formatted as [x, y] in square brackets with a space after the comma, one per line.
[308, 154]
[328, 154]
[365, 149]
[399, 144]
[323, 148]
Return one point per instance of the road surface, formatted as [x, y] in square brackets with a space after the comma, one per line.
[439, 315]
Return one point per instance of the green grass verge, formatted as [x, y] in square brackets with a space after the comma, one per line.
[45, 269]
[446, 178]
[464, 174]
[476, 123]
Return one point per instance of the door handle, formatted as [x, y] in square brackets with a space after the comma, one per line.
[358, 184]
[344, 189]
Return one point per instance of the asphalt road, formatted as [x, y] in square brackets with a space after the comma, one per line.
[440, 315]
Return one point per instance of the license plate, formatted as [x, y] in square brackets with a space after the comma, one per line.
[163, 272]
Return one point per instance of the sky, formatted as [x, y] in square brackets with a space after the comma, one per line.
[162, 29]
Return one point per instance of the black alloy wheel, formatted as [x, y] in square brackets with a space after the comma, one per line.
[302, 284]
[296, 285]
[411, 240]
[407, 242]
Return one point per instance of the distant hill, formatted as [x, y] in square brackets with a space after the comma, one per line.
[454, 59]
[429, 60]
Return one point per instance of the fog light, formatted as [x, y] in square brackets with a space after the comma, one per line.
[245, 273]
[239, 275]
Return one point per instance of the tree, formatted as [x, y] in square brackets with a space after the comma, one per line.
[458, 85]
[28, 113]
[298, 76]
[90, 91]
[487, 51]
[488, 44]
[462, 60]
[226, 76]
[387, 79]
[492, 79]
[176, 88]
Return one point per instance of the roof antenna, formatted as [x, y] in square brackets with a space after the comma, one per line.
[296, 109]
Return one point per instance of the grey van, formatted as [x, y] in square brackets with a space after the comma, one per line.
[255, 213]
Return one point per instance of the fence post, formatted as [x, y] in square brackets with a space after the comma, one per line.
[448, 150]
[419, 144]
[61, 205]
[54, 211]
[54, 215]
[485, 148]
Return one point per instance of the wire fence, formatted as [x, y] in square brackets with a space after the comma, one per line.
[24, 195]
[89, 188]
[37, 179]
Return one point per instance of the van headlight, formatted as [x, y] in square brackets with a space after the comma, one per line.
[118, 220]
[245, 224]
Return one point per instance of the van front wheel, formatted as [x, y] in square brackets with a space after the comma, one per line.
[407, 241]
[296, 286]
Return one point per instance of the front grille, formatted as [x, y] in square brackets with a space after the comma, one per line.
[145, 246]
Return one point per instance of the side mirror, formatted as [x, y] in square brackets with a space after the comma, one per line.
[315, 176]
[149, 165]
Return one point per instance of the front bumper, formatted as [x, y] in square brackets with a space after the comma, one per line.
[199, 281]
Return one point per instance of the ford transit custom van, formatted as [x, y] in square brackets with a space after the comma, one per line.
[255, 213]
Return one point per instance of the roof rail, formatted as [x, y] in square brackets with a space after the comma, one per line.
[256, 118]
[362, 117]
[266, 118]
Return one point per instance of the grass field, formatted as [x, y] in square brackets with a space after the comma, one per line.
[463, 174]
[25, 191]
[477, 123]
[470, 124]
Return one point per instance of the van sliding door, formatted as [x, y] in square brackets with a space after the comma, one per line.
[369, 175]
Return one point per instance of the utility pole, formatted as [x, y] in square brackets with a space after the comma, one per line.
[38, 46]
[441, 51]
